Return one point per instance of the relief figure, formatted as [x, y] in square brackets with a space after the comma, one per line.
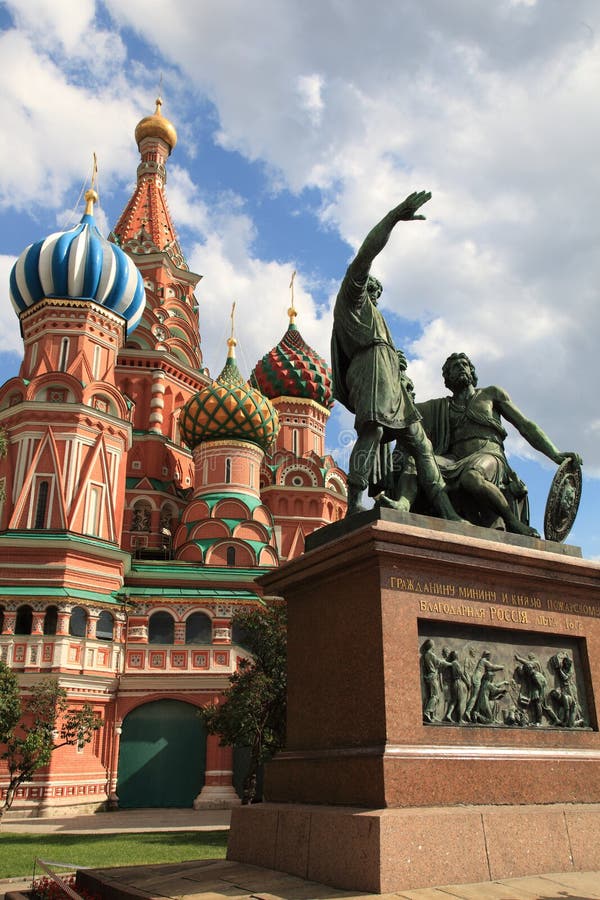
[458, 689]
[483, 667]
[432, 666]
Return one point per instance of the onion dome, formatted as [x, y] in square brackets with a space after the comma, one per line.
[158, 126]
[79, 264]
[229, 409]
[293, 369]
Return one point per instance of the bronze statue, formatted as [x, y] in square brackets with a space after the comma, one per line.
[468, 438]
[367, 377]
[462, 685]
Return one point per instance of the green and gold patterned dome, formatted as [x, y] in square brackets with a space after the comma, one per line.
[229, 409]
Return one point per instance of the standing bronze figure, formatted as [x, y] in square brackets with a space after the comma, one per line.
[368, 378]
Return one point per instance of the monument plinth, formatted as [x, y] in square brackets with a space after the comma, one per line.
[442, 719]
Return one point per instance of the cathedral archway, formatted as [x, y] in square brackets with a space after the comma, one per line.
[162, 758]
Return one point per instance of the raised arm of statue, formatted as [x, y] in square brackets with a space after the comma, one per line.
[379, 235]
[492, 667]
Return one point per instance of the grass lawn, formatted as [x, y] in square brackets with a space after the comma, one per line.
[18, 851]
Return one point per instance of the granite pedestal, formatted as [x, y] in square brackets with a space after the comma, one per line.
[375, 791]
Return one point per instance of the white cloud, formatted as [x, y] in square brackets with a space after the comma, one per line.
[261, 292]
[51, 127]
[55, 20]
[10, 335]
[310, 90]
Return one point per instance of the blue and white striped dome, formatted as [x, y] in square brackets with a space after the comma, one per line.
[82, 265]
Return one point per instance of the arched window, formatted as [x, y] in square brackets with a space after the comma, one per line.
[228, 471]
[64, 355]
[41, 505]
[24, 620]
[78, 622]
[50, 620]
[94, 510]
[175, 432]
[295, 441]
[105, 626]
[96, 362]
[141, 516]
[231, 556]
[1, 619]
[167, 514]
[161, 628]
[238, 634]
[198, 629]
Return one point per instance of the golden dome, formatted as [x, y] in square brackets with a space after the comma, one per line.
[156, 126]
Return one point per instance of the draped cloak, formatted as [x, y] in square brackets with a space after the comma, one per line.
[366, 370]
[436, 422]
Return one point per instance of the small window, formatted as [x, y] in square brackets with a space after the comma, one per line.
[64, 355]
[231, 556]
[198, 629]
[105, 626]
[24, 620]
[167, 514]
[78, 622]
[94, 510]
[295, 441]
[239, 634]
[1, 619]
[228, 471]
[96, 362]
[161, 628]
[176, 434]
[50, 620]
[41, 505]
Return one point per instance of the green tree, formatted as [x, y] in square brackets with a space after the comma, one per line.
[32, 727]
[254, 710]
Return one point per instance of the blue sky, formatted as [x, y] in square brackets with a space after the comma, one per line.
[299, 126]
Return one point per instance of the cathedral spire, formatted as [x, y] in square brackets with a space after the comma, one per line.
[145, 225]
[292, 312]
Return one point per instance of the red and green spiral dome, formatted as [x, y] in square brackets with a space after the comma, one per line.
[293, 369]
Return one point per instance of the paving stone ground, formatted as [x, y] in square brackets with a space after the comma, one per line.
[223, 880]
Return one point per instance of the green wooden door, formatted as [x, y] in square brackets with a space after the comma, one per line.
[162, 757]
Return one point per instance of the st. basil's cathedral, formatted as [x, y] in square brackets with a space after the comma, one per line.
[142, 500]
